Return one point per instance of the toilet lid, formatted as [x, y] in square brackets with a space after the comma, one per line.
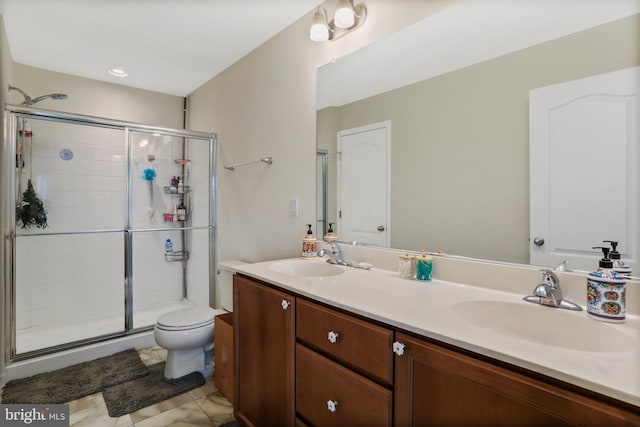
[191, 317]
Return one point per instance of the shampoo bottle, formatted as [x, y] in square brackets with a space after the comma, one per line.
[619, 266]
[309, 244]
[606, 292]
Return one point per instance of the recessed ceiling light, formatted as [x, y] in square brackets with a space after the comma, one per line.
[117, 72]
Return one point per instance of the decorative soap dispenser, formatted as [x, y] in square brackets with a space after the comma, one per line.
[619, 266]
[330, 236]
[606, 291]
[309, 244]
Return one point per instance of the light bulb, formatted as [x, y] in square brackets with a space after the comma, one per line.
[344, 16]
[319, 31]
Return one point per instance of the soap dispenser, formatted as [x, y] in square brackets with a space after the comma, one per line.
[606, 291]
[619, 266]
[309, 244]
[330, 236]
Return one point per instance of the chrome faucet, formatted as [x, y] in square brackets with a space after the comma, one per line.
[548, 293]
[335, 254]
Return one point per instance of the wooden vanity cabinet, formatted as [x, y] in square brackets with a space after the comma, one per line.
[304, 364]
[436, 386]
[264, 340]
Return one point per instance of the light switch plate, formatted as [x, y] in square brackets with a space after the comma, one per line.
[293, 207]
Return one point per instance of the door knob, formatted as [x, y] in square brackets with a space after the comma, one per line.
[381, 228]
[538, 241]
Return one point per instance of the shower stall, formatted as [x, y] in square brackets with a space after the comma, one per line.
[91, 206]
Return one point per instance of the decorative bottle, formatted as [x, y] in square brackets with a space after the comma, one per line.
[619, 266]
[309, 244]
[606, 291]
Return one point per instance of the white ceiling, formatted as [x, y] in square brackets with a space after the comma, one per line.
[168, 46]
[466, 33]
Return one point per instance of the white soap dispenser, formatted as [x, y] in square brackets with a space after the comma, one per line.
[606, 291]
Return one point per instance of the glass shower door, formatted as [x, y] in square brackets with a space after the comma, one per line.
[68, 242]
[169, 229]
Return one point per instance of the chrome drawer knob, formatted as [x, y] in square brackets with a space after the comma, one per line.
[332, 337]
[332, 405]
[285, 304]
[398, 348]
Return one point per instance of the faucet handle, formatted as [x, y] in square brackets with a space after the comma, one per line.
[549, 278]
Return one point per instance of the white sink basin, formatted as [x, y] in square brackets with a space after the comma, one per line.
[306, 268]
[545, 325]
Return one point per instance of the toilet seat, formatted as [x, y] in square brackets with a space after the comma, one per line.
[186, 319]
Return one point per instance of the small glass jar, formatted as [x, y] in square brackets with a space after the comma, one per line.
[406, 266]
[424, 267]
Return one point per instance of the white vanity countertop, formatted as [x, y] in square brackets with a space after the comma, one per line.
[437, 309]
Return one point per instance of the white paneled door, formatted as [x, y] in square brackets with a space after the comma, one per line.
[584, 160]
[363, 184]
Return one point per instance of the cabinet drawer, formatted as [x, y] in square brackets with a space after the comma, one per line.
[355, 343]
[358, 401]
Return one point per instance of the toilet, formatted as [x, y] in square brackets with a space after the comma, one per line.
[186, 334]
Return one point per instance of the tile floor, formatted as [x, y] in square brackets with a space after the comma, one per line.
[203, 406]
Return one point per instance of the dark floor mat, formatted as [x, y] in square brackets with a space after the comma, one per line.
[76, 381]
[128, 397]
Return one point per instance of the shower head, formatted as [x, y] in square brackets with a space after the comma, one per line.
[56, 96]
[29, 101]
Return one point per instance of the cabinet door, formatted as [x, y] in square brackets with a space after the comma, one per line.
[435, 386]
[264, 339]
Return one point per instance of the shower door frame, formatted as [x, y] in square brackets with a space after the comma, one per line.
[12, 113]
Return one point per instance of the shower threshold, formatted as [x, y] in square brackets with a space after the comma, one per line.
[42, 337]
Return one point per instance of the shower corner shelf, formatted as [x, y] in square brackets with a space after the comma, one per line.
[176, 256]
[170, 189]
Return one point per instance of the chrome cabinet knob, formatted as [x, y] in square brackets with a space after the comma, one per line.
[285, 304]
[398, 348]
[332, 337]
[381, 228]
[332, 405]
[538, 241]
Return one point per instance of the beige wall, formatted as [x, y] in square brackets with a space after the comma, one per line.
[5, 78]
[460, 142]
[100, 99]
[264, 105]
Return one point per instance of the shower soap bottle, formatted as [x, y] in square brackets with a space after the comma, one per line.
[619, 266]
[168, 246]
[606, 291]
[309, 244]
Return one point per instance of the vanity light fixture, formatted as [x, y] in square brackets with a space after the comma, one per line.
[346, 18]
[117, 72]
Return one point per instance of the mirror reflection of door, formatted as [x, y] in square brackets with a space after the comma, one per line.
[322, 218]
[584, 162]
[364, 184]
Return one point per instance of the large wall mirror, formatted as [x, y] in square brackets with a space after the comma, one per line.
[454, 92]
